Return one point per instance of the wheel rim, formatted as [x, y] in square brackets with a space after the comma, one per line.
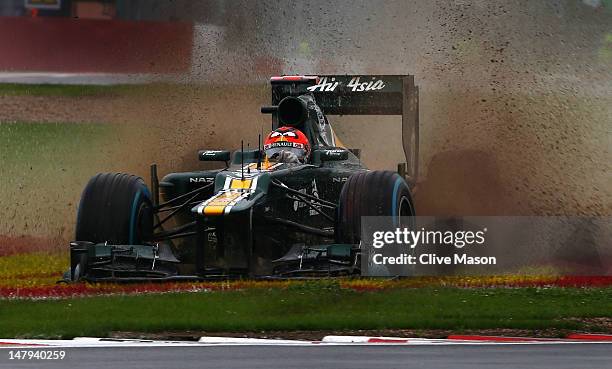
[404, 207]
[404, 210]
[144, 228]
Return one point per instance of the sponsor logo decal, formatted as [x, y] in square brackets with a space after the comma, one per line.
[323, 85]
[201, 179]
[300, 204]
[213, 155]
[296, 145]
[315, 193]
[354, 85]
[211, 152]
[334, 152]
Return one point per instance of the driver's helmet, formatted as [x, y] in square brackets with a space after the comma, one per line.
[287, 144]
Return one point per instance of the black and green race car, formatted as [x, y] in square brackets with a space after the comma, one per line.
[255, 217]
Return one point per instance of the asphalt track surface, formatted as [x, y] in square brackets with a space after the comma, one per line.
[558, 356]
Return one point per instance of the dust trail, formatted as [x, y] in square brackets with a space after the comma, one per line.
[516, 100]
[516, 96]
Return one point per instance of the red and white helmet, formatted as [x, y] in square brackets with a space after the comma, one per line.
[288, 139]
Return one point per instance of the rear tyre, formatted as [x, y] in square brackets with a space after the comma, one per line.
[374, 193]
[115, 208]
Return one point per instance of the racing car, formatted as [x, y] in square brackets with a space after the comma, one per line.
[257, 216]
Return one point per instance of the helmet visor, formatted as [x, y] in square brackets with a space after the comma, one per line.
[273, 152]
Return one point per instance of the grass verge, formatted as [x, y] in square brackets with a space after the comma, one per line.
[308, 306]
[18, 89]
[139, 89]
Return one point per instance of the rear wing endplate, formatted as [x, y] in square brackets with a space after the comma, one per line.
[363, 95]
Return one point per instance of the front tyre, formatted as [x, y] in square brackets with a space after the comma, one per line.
[115, 208]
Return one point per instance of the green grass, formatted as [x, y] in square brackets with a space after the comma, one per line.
[50, 144]
[304, 307]
[143, 89]
[17, 89]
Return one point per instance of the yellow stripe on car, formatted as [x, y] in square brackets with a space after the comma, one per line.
[216, 205]
[214, 209]
[241, 184]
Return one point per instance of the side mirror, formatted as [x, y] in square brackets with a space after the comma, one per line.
[356, 152]
[214, 155]
[331, 154]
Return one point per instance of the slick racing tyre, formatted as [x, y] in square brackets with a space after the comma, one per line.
[115, 208]
[373, 193]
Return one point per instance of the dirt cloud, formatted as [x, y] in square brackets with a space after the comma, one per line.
[516, 98]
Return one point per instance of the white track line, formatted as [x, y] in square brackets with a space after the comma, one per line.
[240, 341]
[254, 341]
[370, 340]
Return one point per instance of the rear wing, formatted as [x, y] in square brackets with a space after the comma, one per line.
[362, 95]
